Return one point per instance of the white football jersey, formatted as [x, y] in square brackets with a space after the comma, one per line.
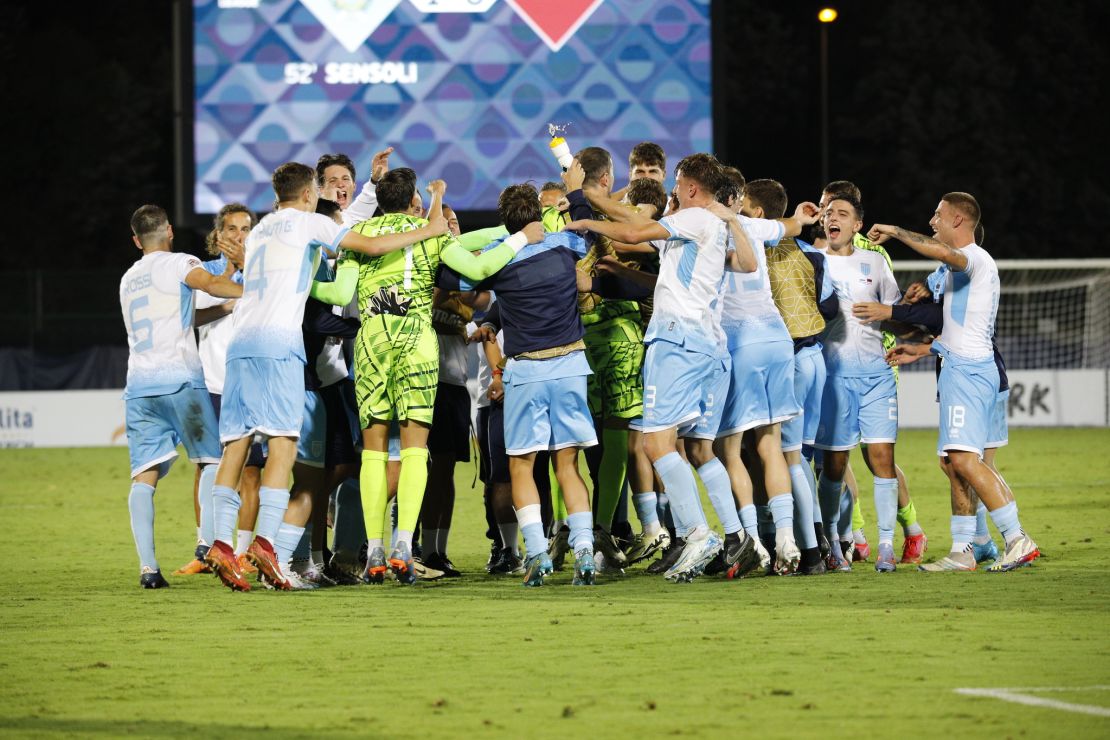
[971, 305]
[158, 313]
[281, 254]
[691, 268]
[748, 313]
[853, 348]
[213, 339]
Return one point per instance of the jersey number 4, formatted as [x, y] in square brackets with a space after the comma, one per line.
[254, 277]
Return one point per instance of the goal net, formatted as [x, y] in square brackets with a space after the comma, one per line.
[1053, 314]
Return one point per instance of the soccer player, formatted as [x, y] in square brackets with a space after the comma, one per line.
[544, 378]
[335, 179]
[761, 392]
[552, 193]
[397, 357]
[264, 387]
[232, 224]
[968, 383]
[915, 542]
[804, 295]
[682, 344]
[165, 395]
[860, 401]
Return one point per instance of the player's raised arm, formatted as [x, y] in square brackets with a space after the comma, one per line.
[923, 245]
[741, 258]
[481, 266]
[220, 286]
[628, 233]
[375, 246]
[805, 214]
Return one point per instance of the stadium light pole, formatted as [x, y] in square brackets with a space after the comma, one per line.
[825, 16]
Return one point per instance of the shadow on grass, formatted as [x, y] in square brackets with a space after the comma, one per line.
[163, 728]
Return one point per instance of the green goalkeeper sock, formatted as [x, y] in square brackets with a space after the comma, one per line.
[372, 490]
[410, 491]
[857, 515]
[907, 517]
[611, 473]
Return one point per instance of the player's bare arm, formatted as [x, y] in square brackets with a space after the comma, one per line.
[220, 286]
[742, 258]
[923, 245]
[629, 233]
[805, 214]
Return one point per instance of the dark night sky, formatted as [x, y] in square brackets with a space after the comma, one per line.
[1001, 99]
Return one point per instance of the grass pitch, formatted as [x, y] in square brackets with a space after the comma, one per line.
[86, 652]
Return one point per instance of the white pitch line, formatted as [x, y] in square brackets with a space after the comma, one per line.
[1012, 695]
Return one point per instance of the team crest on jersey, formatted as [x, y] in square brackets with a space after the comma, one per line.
[865, 268]
[387, 301]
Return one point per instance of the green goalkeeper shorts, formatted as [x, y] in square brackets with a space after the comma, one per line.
[615, 350]
[396, 369]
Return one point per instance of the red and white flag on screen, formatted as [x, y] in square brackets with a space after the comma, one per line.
[554, 21]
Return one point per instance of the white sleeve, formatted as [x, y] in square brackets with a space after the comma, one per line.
[683, 225]
[974, 260]
[183, 264]
[363, 206]
[888, 286]
[327, 232]
[204, 300]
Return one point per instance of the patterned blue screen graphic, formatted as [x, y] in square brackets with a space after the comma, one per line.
[463, 96]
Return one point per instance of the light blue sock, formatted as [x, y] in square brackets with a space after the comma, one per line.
[225, 514]
[581, 531]
[749, 520]
[782, 511]
[303, 550]
[982, 534]
[140, 503]
[803, 506]
[682, 490]
[204, 497]
[288, 535]
[1006, 520]
[828, 494]
[272, 503]
[886, 507]
[844, 523]
[531, 526]
[963, 530]
[719, 488]
[647, 508]
[349, 530]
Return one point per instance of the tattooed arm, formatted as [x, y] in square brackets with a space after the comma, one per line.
[923, 245]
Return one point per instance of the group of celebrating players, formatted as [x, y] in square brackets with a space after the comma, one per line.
[663, 333]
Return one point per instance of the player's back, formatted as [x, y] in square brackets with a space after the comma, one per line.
[158, 314]
[281, 254]
[853, 347]
[970, 305]
[748, 311]
[793, 274]
[691, 268]
[399, 283]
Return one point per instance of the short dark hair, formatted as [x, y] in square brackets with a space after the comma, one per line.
[395, 190]
[595, 161]
[327, 160]
[218, 225]
[518, 206]
[290, 179]
[704, 169]
[855, 204]
[147, 221]
[647, 153]
[732, 185]
[965, 203]
[837, 188]
[980, 234]
[644, 190]
[553, 185]
[769, 195]
[328, 207]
